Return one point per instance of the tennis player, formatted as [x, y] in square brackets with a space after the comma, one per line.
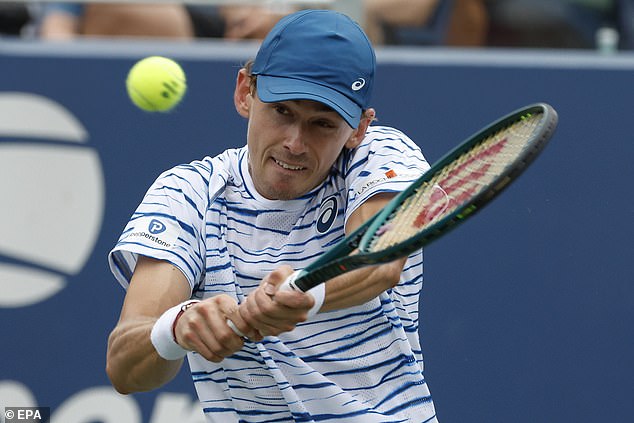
[213, 240]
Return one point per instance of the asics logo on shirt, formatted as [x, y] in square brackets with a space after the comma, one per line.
[358, 84]
[156, 227]
[327, 214]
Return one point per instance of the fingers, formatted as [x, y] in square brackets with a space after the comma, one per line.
[241, 328]
[235, 328]
[203, 328]
[272, 311]
[289, 298]
[217, 327]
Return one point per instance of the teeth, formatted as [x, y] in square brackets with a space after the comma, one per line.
[287, 166]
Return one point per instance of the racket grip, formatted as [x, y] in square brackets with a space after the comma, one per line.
[235, 329]
[318, 292]
[289, 283]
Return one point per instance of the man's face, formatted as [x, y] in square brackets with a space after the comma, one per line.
[293, 145]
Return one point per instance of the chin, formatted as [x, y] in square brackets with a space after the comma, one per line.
[282, 193]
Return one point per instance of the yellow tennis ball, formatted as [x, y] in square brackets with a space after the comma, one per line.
[156, 84]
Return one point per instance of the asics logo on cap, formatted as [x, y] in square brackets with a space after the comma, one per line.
[358, 84]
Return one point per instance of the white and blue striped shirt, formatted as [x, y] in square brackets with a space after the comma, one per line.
[361, 364]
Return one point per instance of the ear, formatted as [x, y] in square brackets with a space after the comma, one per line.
[242, 97]
[359, 133]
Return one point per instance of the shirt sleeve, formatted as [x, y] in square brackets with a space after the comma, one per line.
[168, 224]
[386, 161]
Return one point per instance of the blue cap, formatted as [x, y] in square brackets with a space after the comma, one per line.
[317, 55]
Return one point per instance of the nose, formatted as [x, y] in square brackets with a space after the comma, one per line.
[294, 140]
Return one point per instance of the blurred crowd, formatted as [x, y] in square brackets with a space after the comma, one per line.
[577, 24]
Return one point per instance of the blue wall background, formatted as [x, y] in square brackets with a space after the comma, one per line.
[528, 310]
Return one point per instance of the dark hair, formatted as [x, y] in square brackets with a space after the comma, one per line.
[248, 66]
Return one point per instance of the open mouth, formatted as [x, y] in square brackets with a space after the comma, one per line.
[288, 166]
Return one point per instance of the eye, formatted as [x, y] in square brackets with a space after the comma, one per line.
[325, 123]
[281, 109]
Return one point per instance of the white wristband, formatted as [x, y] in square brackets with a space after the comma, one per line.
[162, 335]
[319, 294]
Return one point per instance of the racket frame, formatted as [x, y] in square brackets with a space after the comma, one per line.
[338, 260]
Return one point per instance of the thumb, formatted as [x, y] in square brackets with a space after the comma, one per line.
[272, 282]
[226, 304]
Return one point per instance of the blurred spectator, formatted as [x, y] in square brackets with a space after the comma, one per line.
[625, 23]
[383, 15]
[549, 23]
[13, 17]
[427, 22]
[234, 22]
[469, 23]
[393, 22]
[250, 22]
[67, 20]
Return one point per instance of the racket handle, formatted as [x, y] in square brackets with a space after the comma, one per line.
[289, 283]
[235, 329]
[317, 292]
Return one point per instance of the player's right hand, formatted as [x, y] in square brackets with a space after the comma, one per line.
[272, 311]
[203, 328]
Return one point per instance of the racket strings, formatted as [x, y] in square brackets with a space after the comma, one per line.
[456, 184]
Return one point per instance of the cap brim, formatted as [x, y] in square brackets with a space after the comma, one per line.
[274, 88]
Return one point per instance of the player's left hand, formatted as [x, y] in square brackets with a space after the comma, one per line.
[272, 312]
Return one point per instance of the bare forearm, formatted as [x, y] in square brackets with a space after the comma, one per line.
[360, 286]
[133, 365]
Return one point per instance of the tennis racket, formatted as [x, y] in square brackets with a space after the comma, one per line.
[452, 190]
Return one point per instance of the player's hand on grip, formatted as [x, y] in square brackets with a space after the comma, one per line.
[272, 311]
[203, 328]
